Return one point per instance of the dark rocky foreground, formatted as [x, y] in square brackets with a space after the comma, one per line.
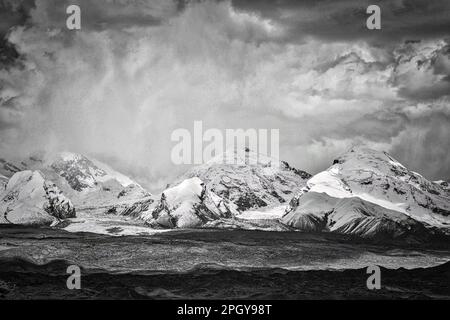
[216, 264]
[20, 279]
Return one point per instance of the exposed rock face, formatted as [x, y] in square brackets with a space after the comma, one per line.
[32, 200]
[134, 208]
[58, 205]
[368, 193]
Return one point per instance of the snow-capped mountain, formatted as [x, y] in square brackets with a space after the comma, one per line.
[252, 182]
[83, 174]
[31, 199]
[91, 183]
[223, 188]
[87, 181]
[187, 205]
[368, 193]
[365, 193]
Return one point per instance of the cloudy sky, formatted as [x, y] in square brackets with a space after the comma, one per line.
[138, 69]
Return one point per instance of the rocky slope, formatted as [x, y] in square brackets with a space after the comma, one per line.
[31, 199]
[368, 193]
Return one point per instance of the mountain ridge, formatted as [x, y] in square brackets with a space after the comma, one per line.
[367, 192]
[364, 193]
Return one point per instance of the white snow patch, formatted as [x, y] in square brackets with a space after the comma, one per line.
[187, 191]
[109, 225]
[400, 207]
[263, 214]
[329, 183]
[396, 164]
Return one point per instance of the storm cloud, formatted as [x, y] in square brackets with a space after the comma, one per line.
[137, 70]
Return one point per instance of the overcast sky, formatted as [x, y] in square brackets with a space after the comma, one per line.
[138, 69]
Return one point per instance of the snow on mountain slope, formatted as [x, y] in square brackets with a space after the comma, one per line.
[83, 173]
[31, 199]
[253, 181]
[315, 212]
[367, 192]
[95, 186]
[188, 204]
[224, 188]
[88, 182]
[272, 213]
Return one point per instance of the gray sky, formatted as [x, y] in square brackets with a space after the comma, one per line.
[137, 70]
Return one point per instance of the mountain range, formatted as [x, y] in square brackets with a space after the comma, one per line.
[364, 193]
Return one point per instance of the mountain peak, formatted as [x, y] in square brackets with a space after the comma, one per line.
[87, 181]
[253, 182]
[69, 156]
[246, 156]
[376, 177]
[360, 157]
[362, 152]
